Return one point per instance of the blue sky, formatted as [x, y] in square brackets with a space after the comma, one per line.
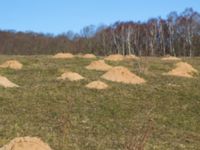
[57, 16]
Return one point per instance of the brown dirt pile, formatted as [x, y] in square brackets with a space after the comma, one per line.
[131, 57]
[89, 56]
[26, 143]
[99, 85]
[115, 57]
[182, 69]
[13, 64]
[72, 76]
[99, 65]
[4, 82]
[122, 74]
[170, 58]
[63, 55]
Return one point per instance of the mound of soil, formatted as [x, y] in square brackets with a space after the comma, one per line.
[183, 69]
[4, 82]
[26, 143]
[170, 58]
[63, 55]
[97, 85]
[72, 76]
[89, 56]
[122, 74]
[13, 64]
[99, 65]
[115, 57]
[131, 57]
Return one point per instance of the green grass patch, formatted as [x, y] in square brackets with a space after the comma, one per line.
[67, 115]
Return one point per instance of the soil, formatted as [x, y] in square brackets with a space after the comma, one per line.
[123, 75]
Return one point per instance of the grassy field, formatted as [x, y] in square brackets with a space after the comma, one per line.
[69, 116]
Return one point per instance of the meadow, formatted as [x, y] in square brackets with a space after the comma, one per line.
[163, 113]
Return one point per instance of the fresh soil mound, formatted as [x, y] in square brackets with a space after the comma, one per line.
[13, 64]
[97, 85]
[89, 56]
[26, 143]
[183, 69]
[99, 65]
[131, 57]
[170, 58]
[115, 57]
[72, 76]
[6, 83]
[63, 55]
[122, 74]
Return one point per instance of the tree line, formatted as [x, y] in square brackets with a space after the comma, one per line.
[177, 35]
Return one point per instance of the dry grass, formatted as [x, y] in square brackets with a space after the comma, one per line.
[171, 58]
[138, 142]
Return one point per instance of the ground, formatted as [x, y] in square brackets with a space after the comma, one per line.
[68, 116]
